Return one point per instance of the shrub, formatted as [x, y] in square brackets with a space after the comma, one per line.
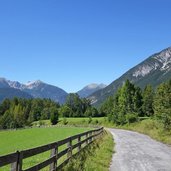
[65, 122]
[41, 123]
[89, 120]
[131, 118]
[54, 116]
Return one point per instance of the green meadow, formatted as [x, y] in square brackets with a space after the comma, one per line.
[13, 140]
[78, 121]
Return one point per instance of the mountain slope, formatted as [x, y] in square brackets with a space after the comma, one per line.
[154, 70]
[11, 93]
[36, 89]
[4, 83]
[89, 89]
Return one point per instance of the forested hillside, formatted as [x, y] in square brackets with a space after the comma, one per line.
[131, 102]
[154, 70]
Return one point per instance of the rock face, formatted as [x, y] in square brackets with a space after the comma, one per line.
[89, 89]
[154, 70]
[35, 89]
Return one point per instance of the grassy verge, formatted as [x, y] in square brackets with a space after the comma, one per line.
[152, 128]
[95, 157]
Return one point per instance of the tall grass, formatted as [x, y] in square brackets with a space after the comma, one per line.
[152, 128]
[95, 157]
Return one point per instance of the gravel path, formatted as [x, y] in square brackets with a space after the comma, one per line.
[138, 152]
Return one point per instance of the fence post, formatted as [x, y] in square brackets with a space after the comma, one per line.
[93, 134]
[90, 140]
[86, 139]
[20, 161]
[14, 166]
[101, 131]
[69, 145]
[54, 152]
[79, 140]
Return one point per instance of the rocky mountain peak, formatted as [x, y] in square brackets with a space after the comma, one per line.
[32, 84]
[15, 84]
[164, 58]
[160, 61]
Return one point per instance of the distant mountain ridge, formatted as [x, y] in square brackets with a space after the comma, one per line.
[11, 93]
[154, 70]
[89, 89]
[36, 89]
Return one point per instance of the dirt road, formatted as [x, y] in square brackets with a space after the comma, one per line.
[138, 152]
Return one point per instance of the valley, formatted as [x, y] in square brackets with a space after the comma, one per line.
[38, 113]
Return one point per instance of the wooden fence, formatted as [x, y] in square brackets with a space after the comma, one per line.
[78, 141]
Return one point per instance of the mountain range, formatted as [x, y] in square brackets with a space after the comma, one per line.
[39, 89]
[11, 92]
[154, 70]
[35, 89]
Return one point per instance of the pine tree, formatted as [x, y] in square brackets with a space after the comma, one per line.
[126, 98]
[147, 106]
[162, 104]
[127, 101]
[137, 100]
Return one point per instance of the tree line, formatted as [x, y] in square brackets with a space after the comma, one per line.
[127, 105]
[78, 107]
[19, 112]
[131, 102]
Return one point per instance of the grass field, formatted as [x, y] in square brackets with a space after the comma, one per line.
[10, 141]
[75, 121]
[83, 121]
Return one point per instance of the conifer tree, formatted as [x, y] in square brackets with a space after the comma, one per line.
[162, 104]
[147, 106]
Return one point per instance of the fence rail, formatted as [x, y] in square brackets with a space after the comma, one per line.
[16, 159]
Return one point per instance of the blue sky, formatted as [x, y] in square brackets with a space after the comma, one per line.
[71, 43]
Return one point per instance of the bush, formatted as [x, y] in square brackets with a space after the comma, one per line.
[54, 116]
[65, 122]
[131, 118]
[95, 122]
[41, 123]
[89, 120]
